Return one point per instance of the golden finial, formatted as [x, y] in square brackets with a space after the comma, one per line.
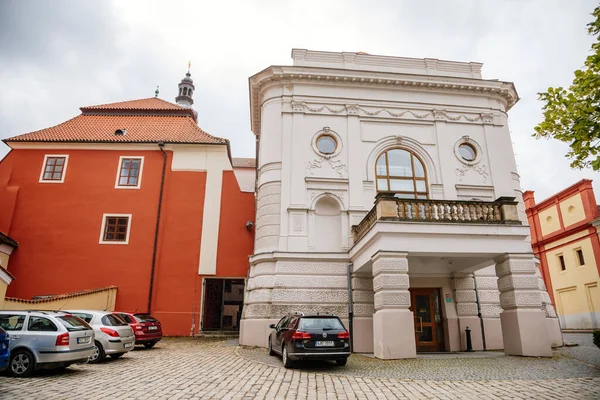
[189, 65]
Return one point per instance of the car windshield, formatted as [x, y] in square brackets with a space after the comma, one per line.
[73, 323]
[321, 324]
[113, 320]
[145, 318]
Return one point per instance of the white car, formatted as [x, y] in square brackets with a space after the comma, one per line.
[114, 336]
[45, 339]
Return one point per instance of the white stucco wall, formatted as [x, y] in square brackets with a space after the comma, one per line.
[367, 121]
[369, 104]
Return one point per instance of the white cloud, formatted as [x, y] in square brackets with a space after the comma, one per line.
[68, 55]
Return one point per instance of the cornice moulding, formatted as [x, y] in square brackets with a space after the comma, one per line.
[286, 75]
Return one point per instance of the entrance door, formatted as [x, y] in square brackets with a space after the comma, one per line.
[222, 306]
[429, 328]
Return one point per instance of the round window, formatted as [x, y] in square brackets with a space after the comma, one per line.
[326, 144]
[467, 152]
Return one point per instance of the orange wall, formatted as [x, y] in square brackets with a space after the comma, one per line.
[236, 243]
[58, 229]
[178, 287]
[58, 226]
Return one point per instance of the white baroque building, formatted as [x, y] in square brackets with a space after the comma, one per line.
[388, 194]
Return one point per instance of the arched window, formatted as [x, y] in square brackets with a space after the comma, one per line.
[401, 172]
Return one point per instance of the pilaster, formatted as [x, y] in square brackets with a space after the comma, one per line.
[393, 323]
[466, 309]
[551, 317]
[523, 321]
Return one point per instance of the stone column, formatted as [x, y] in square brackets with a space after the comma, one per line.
[362, 297]
[551, 318]
[466, 309]
[486, 283]
[393, 322]
[523, 321]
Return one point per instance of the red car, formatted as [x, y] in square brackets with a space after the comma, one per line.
[146, 328]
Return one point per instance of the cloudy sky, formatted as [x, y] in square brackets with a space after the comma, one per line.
[57, 56]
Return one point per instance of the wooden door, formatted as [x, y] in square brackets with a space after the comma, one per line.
[426, 308]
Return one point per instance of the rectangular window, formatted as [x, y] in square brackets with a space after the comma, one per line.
[561, 261]
[54, 168]
[115, 229]
[580, 257]
[129, 175]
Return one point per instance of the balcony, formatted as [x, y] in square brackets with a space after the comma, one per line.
[439, 237]
[503, 211]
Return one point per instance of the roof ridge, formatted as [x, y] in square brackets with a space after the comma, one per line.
[113, 104]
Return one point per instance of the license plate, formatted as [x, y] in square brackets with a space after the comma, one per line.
[128, 345]
[82, 340]
[328, 343]
[153, 328]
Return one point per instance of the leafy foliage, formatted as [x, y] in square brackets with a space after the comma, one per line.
[573, 115]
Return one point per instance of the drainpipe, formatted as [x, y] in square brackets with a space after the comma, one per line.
[479, 313]
[161, 146]
[350, 307]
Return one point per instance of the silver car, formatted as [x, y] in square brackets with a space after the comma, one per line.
[40, 339]
[114, 336]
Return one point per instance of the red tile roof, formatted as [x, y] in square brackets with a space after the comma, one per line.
[54, 297]
[244, 162]
[145, 121]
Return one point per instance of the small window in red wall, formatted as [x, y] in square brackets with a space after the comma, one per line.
[115, 229]
[54, 168]
[129, 175]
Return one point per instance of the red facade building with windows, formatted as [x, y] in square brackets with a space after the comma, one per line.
[134, 195]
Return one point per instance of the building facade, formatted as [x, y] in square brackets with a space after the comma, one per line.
[134, 195]
[387, 193]
[564, 236]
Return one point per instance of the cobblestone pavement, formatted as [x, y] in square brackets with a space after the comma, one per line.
[565, 363]
[186, 368]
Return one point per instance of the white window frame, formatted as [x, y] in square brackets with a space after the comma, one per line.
[64, 171]
[103, 225]
[139, 182]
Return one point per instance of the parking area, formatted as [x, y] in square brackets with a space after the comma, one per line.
[183, 368]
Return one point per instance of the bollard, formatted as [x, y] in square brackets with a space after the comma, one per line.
[469, 344]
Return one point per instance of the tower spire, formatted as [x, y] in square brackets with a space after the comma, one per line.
[186, 89]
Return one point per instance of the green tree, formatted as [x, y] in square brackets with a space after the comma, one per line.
[573, 115]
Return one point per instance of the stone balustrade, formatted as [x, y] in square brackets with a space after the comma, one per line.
[389, 208]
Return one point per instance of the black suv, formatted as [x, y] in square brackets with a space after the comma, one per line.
[309, 337]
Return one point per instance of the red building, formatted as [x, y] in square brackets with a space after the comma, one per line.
[565, 236]
[135, 195]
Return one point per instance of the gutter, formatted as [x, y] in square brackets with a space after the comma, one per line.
[350, 308]
[161, 145]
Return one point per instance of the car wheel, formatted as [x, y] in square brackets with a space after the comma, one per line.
[22, 364]
[341, 363]
[98, 355]
[271, 352]
[149, 345]
[287, 363]
[116, 355]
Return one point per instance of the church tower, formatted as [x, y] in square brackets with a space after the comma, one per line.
[186, 90]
